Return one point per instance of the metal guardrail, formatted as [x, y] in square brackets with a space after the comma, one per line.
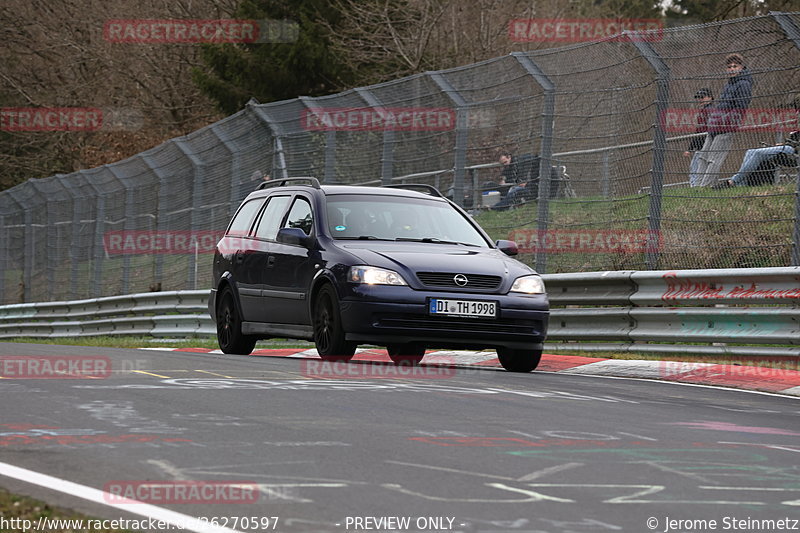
[634, 310]
[683, 311]
[157, 314]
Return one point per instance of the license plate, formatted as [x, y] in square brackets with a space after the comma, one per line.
[446, 307]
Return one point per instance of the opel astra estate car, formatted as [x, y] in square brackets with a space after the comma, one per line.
[398, 266]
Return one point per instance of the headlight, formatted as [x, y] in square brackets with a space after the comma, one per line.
[375, 276]
[529, 285]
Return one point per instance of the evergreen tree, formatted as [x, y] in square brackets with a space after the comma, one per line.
[274, 71]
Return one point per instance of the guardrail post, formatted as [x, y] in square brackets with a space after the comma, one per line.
[387, 156]
[659, 144]
[279, 159]
[197, 194]
[461, 134]
[545, 149]
[792, 31]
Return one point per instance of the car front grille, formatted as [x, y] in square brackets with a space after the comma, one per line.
[474, 325]
[447, 279]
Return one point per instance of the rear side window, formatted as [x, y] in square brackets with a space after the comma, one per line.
[271, 219]
[240, 225]
[300, 216]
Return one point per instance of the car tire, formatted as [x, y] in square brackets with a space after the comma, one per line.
[406, 354]
[229, 327]
[329, 337]
[515, 360]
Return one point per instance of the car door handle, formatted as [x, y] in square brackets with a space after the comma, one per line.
[238, 257]
[271, 261]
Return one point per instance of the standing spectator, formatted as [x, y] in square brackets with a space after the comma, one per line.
[724, 119]
[704, 99]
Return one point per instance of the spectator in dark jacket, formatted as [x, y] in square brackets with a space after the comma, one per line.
[522, 173]
[704, 98]
[724, 119]
[519, 169]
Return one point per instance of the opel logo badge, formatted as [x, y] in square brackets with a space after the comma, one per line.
[460, 280]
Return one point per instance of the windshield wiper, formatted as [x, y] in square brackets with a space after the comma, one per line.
[434, 240]
[363, 238]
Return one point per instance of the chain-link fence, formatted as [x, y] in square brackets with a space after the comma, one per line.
[613, 117]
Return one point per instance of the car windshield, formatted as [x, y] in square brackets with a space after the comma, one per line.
[399, 218]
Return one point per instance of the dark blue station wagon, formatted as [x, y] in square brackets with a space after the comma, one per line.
[401, 267]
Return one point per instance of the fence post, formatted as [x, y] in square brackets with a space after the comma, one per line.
[659, 144]
[99, 245]
[130, 215]
[545, 149]
[50, 239]
[3, 258]
[27, 273]
[461, 134]
[161, 209]
[198, 168]
[329, 172]
[277, 134]
[236, 177]
[76, 235]
[387, 155]
[792, 31]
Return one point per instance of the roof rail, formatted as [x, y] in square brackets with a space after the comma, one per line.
[313, 182]
[428, 189]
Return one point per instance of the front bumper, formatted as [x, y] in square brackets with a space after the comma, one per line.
[388, 315]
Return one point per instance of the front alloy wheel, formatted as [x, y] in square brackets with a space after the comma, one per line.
[328, 333]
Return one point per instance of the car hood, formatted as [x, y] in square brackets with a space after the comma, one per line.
[408, 258]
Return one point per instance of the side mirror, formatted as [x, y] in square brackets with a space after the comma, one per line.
[507, 247]
[293, 236]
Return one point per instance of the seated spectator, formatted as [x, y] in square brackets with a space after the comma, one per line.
[759, 161]
[515, 171]
[522, 174]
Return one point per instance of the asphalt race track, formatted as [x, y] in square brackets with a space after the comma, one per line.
[296, 445]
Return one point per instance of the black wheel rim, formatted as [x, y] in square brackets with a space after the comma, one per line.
[323, 325]
[225, 323]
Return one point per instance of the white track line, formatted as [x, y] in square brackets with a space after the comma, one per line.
[185, 522]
